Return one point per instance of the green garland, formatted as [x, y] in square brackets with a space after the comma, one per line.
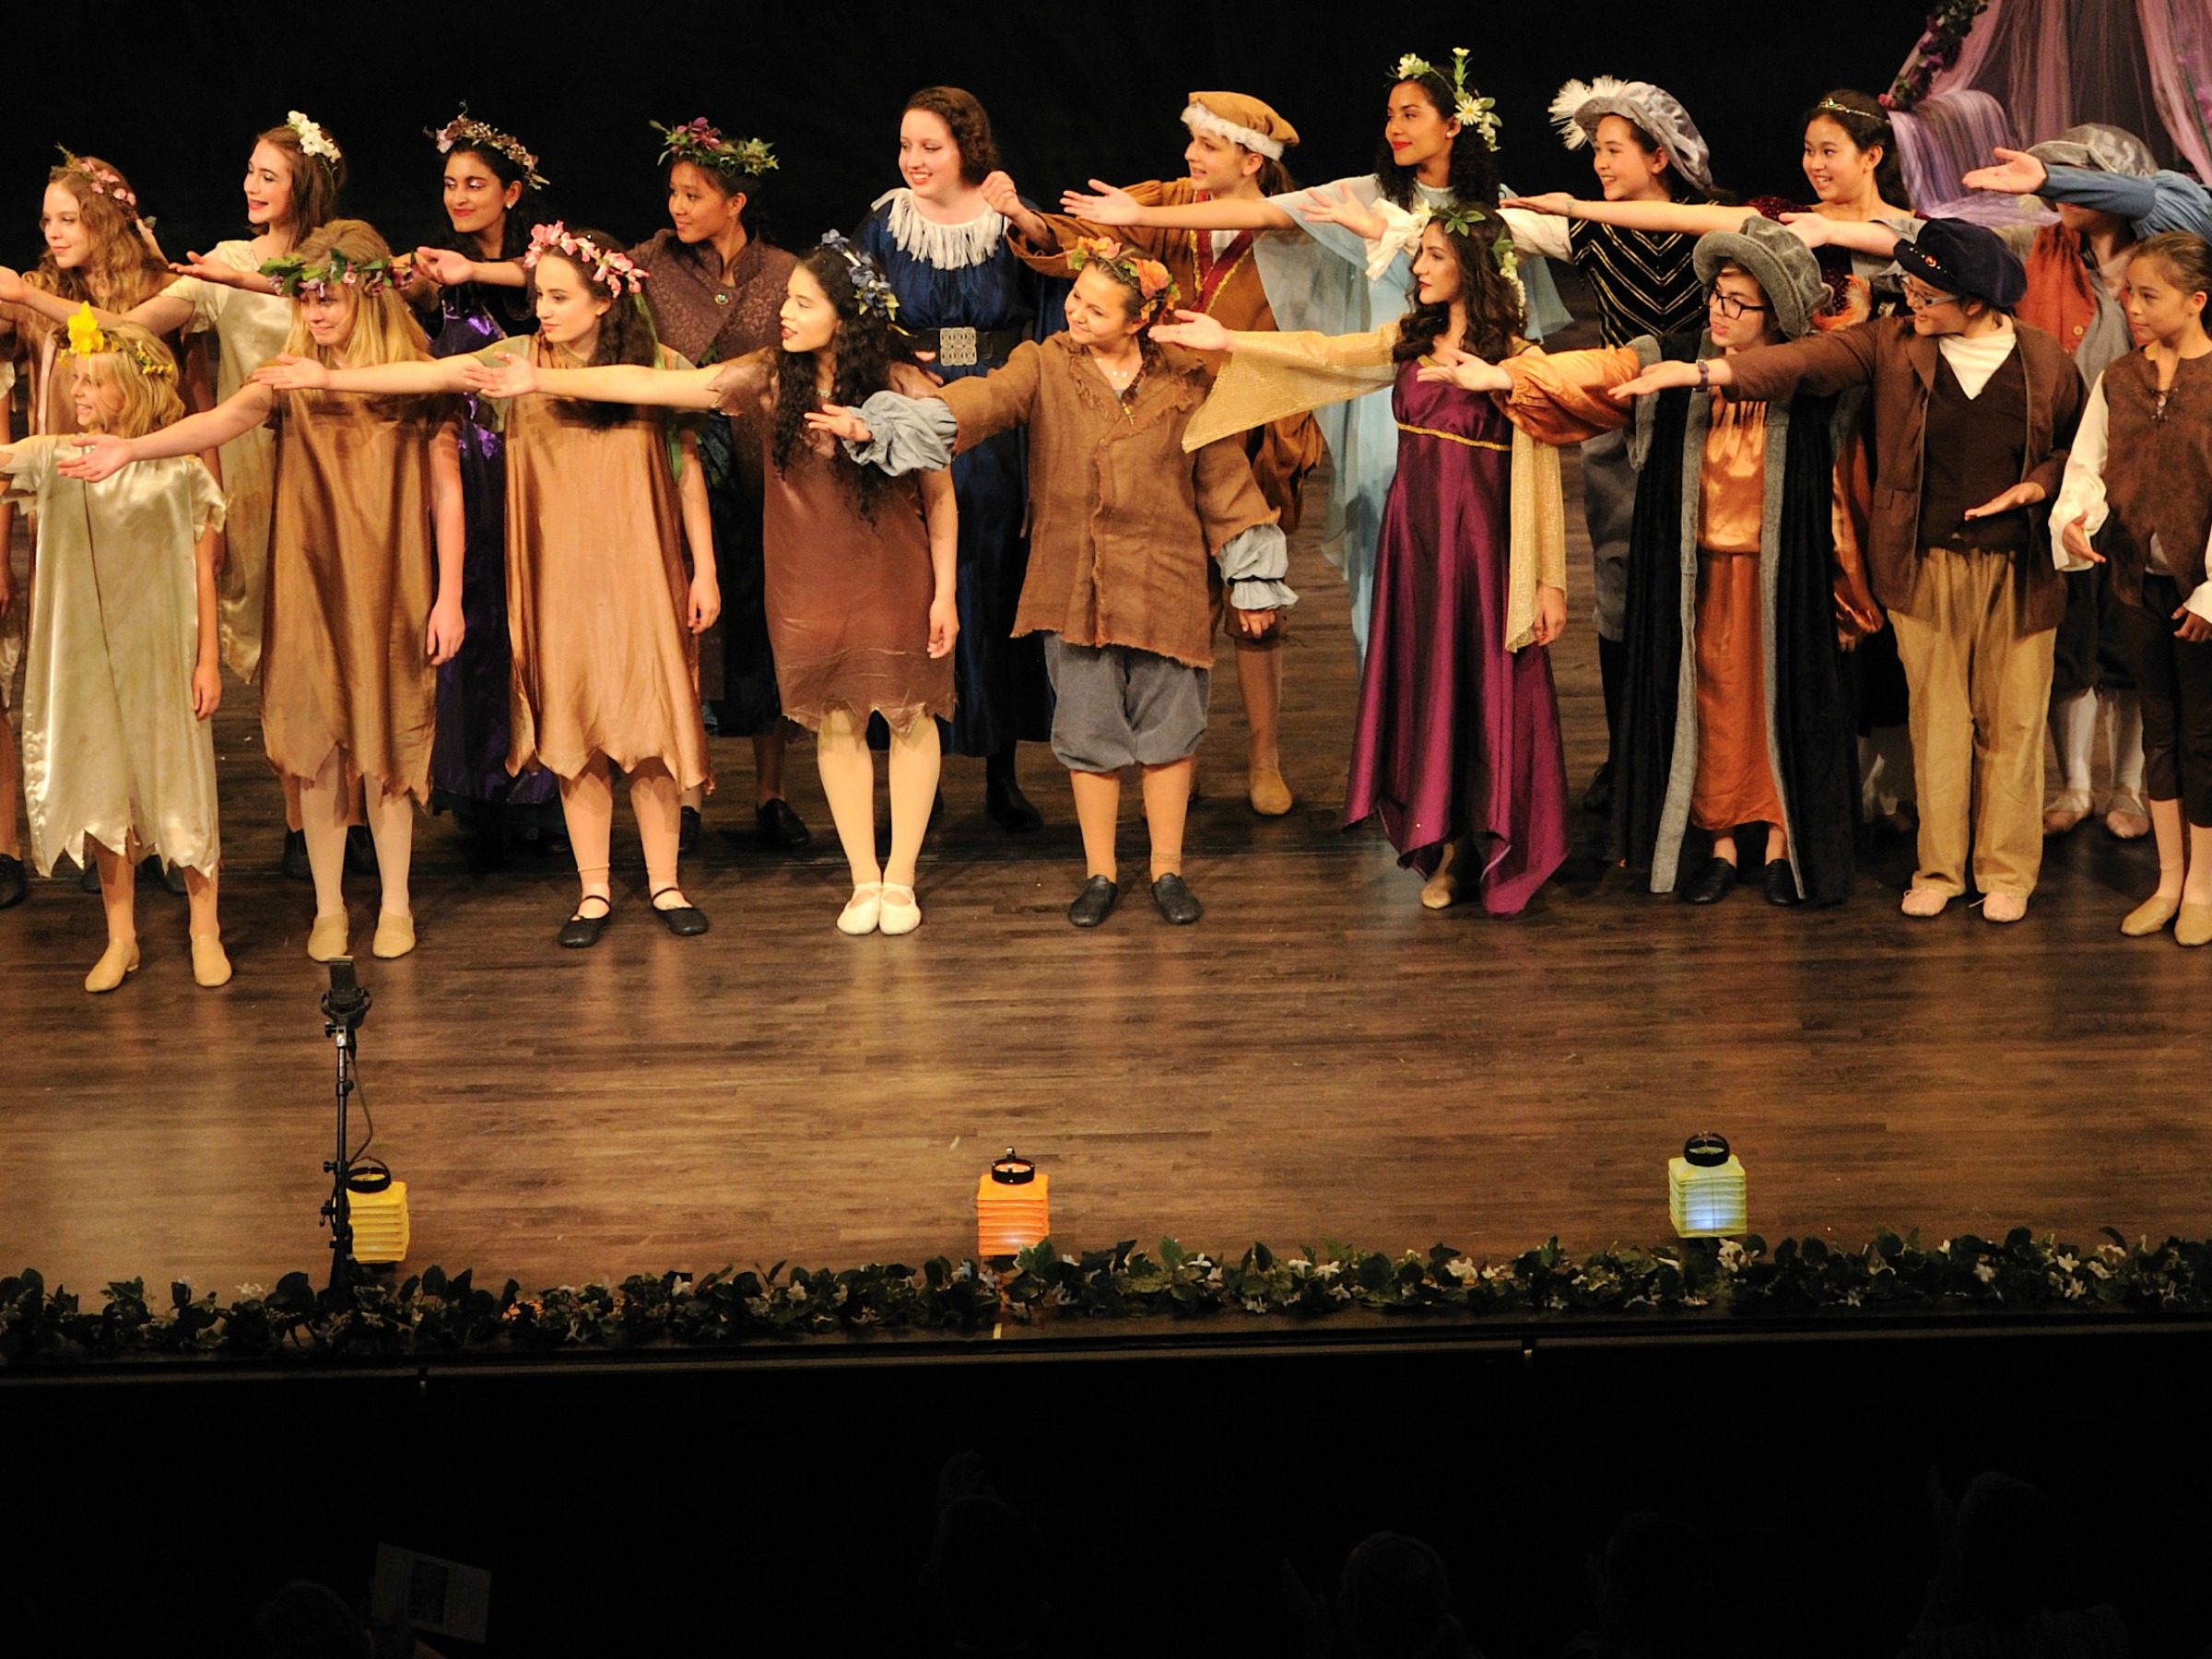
[433, 1314]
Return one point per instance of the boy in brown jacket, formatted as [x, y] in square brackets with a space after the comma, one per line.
[1121, 524]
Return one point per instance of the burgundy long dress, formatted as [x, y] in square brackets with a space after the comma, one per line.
[1457, 735]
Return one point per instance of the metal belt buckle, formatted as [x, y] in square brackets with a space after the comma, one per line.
[956, 348]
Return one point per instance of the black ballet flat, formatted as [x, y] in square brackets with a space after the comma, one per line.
[687, 833]
[1781, 884]
[1009, 808]
[1094, 903]
[295, 863]
[685, 921]
[580, 932]
[1711, 884]
[781, 829]
[1176, 902]
[169, 878]
[12, 886]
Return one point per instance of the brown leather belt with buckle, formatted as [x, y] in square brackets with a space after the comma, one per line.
[965, 347]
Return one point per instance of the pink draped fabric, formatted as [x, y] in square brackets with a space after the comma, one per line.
[2145, 65]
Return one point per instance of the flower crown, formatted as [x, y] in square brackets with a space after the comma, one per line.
[699, 143]
[618, 271]
[1469, 110]
[870, 286]
[1464, 218]
[314, 140]
[463, 129]
[293, 275]
[85, 339]
[1148, 276]
[106, 181]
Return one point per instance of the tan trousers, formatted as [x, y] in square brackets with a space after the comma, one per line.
[1980, 690]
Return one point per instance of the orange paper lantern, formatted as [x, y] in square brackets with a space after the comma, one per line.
[1012, 1207]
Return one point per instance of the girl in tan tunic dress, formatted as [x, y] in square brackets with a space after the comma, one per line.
[123, 672]
[364, 596]
[602, 614]
[861, 609]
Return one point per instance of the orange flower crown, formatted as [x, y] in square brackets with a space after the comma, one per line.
[1148, 276]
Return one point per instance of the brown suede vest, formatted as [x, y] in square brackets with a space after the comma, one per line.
[1973, 455]
[2157, 470]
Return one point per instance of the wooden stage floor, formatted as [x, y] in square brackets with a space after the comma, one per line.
[1318, 1060]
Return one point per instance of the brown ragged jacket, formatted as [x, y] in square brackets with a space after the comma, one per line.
[1121, 522]
[1900, 365]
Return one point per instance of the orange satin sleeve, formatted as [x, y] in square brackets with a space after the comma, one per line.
[1562, 398]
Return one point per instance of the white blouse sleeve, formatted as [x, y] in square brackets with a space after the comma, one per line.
[2081, 498]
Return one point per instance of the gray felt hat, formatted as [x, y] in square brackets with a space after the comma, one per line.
[2098, 148]
[1783, 266]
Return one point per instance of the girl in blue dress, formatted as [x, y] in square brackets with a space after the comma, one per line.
[967, 302]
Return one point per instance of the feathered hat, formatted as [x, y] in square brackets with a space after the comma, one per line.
[1581, 105]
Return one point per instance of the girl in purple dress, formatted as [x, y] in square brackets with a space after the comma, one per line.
[473, 285]
[1456, 751]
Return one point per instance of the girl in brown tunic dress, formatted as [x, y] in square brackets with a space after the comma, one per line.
[860, 576]
[360, 609]
[602, 614]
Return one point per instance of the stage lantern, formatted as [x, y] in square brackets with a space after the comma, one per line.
[1011, 1207]
[1705, 1190]
[377, 1206]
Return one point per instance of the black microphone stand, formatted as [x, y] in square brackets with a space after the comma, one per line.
[345, 1006]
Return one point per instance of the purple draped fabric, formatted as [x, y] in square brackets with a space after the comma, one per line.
[1457, 735]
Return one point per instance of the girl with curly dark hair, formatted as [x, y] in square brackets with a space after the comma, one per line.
[602, 612]
[1322, 271]
[1456, 750]
[860, 569]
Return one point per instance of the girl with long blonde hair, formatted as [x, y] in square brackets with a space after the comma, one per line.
[123, 670]
[364, 590]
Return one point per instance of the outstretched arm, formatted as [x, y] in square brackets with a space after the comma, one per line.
[448, 269]
[618, 383]
[1002, 199]
[1871, 236]
[286, 374]
[1690, 219]
[1112, 207]
[101, 454]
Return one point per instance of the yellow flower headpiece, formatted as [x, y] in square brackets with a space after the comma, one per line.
[88, 339]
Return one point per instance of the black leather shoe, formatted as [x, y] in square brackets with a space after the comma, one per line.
[684, 921]
[170, 877]
[11, 880]
[1711, 884]
[687, 833]
[580, 932]
[1009, 808]
[1781, 884]
[780, 825]
[1598, 797]
[295, 857]
[361, 850]
[1094, 903]
[1176, 902]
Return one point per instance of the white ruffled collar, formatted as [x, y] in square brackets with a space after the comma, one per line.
[948, 247]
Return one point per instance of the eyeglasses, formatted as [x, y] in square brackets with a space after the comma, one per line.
[1921, 297]
[1729, 306]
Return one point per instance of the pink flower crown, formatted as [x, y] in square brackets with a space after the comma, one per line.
[618, 271]
[105, 181]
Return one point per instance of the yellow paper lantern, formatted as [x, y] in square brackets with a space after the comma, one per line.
[376, 1205]
[1012, 1207]
[1706, 1194]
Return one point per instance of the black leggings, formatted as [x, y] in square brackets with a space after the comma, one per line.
[2173, 677]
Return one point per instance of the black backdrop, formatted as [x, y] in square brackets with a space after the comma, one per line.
[173, 94]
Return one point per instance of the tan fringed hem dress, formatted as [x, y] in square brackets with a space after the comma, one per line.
[598, 595]
[848, 599]
[352, 573]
